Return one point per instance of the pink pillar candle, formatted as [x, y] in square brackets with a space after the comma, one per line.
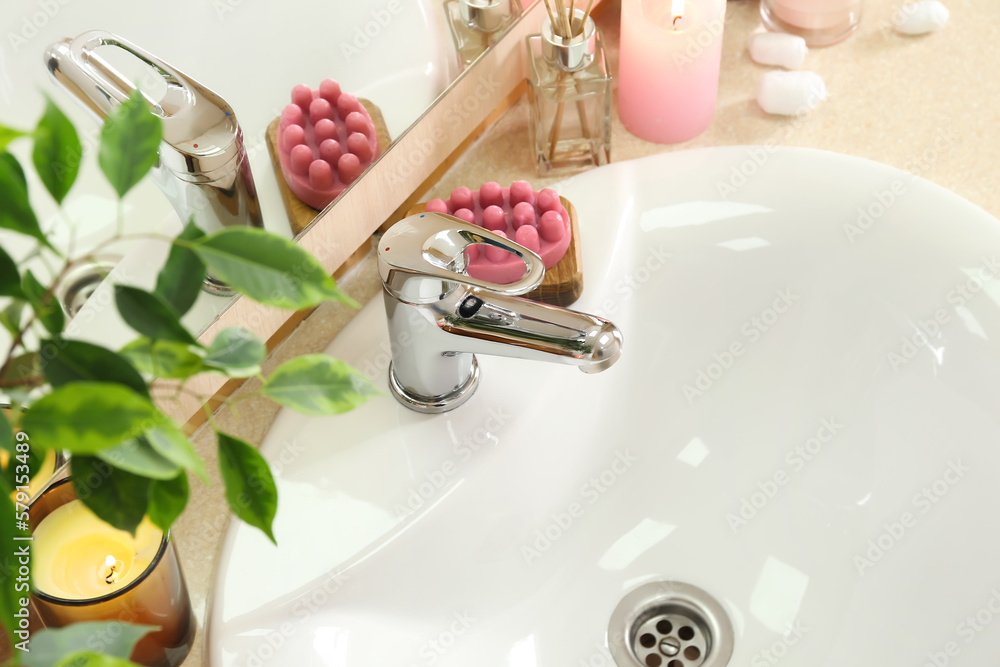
[668, 72]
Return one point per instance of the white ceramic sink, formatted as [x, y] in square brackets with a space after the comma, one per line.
[804, 423]
[397, 54]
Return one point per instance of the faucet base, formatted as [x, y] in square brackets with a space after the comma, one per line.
[433, 405]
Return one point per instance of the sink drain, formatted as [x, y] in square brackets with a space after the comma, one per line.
[82, 279]
[670, 624]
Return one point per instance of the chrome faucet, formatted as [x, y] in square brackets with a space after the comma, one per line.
[439, 316]
[203, 168]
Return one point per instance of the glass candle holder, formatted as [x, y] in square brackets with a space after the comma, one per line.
[668, 70]
[569, 93]
[157, 595]
[819, 22]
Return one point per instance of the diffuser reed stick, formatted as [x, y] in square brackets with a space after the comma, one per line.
[565, 29]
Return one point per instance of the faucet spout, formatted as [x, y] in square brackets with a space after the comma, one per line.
[203, 167]
[439, 318]
[511, 326]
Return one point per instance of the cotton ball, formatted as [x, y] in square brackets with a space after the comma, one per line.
[778, 48]
[921, 17]
[790, 93]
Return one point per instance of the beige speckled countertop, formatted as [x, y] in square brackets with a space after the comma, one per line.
[930, 105]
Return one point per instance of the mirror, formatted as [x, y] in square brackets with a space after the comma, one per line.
[399, 54]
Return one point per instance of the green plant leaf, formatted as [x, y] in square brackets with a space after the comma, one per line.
[113, 638]
[267, 268]
[50, 313]
[119, 498]
[76, 361]
[87, 417]
[171, 443]
[140, 458]
[315, 384]
[250, 488]
[165, 359]
[130, 141]
[167, 500]
[6, 433]
[57, 151]
[16, 169]
[91, 659]
[10, 277]
[10, 317]
[25, 370]
[9, 134]
[179, 281]
[150, 315]
[236, 352]
[16, 213]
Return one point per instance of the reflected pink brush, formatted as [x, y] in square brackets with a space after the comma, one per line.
[325, 140]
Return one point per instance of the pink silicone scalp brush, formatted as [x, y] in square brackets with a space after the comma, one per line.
[536, 220]
[326, 138]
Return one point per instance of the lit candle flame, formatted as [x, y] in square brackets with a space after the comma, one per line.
[113, 570]
[677, 10]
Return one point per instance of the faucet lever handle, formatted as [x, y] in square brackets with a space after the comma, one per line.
[434, 244]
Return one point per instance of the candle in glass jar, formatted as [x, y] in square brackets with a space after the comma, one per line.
[85, 570]
[78, 557]
[668, 73]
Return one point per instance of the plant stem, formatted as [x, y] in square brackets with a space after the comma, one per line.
[33, 381]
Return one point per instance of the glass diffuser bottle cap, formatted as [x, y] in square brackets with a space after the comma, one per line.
[574, 53]
[484, 15]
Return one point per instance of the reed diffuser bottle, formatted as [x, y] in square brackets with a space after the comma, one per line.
[569, 91]
[476, 25]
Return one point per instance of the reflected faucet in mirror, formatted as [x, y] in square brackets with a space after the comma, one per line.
[439, 317]
[203, 168]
